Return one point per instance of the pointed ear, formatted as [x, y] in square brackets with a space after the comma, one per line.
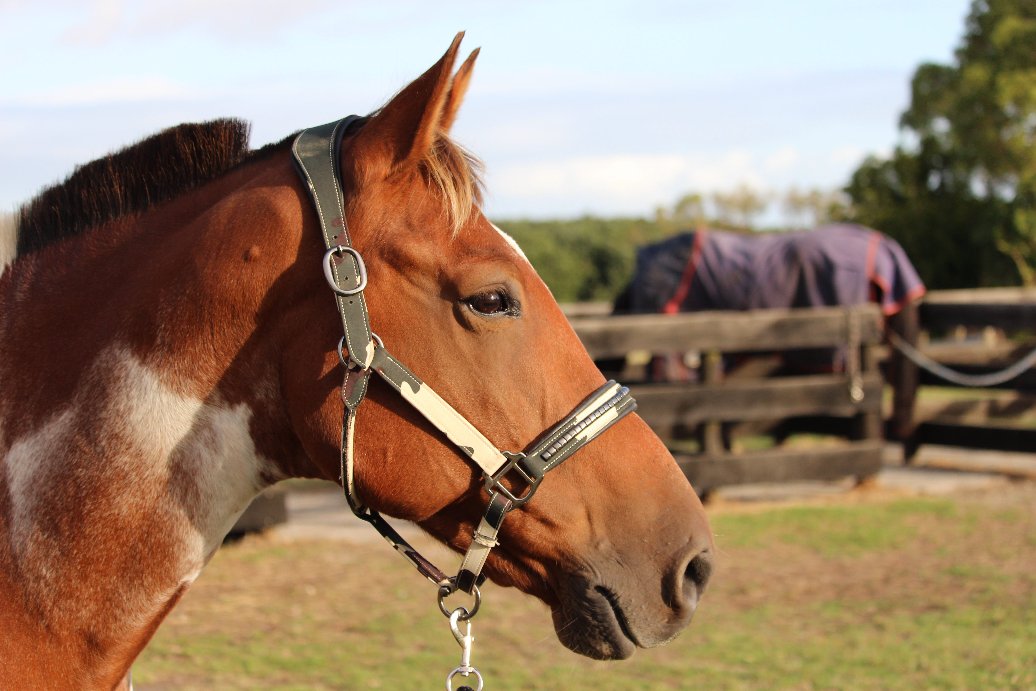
[458, 88]
[404, 130]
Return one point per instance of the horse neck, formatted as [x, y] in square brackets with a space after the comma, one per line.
[127, 410]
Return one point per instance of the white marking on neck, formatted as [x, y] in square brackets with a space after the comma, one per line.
[207, 443]
[130, 456]
[510, 241]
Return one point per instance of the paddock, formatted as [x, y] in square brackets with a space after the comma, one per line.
[866, 587]
[869, 588]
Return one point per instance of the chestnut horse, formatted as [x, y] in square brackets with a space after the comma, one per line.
[167, 350]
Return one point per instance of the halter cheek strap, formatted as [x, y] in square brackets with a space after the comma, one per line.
[316, 154]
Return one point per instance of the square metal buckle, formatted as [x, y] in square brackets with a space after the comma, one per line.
[494, 482]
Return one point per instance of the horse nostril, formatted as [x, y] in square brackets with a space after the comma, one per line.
[696, 576]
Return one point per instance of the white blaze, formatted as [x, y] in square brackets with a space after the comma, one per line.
[510, 241]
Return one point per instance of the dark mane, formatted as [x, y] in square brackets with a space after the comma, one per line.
[153, 170]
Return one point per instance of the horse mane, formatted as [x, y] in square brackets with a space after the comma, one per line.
[179, 159]
[131, 180]
[457, 173]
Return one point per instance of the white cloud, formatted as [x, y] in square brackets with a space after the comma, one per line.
[847, 155]
[105, 20]
[781, 160]
[102, 22]
[618, 177]
[124, 90]
[629, 183]
[225, 18]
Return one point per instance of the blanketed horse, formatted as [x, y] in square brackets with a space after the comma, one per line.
[167, 350]
[833, 265]
[838, 264]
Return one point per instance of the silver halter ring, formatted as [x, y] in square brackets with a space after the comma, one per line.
[352, 364]
[445, 591]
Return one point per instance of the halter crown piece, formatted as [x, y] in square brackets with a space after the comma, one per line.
[361, 352]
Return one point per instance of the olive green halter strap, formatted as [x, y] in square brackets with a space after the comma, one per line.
[361, 352]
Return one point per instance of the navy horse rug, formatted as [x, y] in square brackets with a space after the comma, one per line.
[829, 266]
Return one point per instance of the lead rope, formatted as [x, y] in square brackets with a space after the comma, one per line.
[961, 378]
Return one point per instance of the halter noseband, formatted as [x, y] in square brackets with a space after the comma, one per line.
[316, 155]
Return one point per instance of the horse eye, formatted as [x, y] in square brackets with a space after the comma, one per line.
[492, 303]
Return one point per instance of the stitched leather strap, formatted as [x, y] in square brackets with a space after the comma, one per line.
[482, 542]
[596, 413]
[316, 155]
[441, 414]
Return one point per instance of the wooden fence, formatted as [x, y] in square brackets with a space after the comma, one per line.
[978, 332]
[974, 331]
[711, 405]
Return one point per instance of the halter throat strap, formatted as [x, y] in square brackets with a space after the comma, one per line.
[316, 154]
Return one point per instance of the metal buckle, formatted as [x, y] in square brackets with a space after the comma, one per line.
[329, 273]
[494, 482]
[350, 363]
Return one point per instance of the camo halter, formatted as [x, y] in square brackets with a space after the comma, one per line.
[362, 352]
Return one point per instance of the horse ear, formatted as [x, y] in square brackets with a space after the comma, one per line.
[404, 130]
[458, 88]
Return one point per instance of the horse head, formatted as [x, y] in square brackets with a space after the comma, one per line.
[615, 541]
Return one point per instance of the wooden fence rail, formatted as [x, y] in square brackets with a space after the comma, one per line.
[998, 328]
[709, 407]
[706, 408]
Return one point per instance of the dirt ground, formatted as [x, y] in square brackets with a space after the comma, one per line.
[804, 594]
[874, 578]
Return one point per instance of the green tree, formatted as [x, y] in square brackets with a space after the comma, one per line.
[687, 213]
[812, 207]
[961, 197]
[739, 208]
[586, 258]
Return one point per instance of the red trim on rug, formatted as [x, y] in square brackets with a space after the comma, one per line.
[673, 305]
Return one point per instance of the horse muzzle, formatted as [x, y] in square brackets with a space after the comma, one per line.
[609, 610]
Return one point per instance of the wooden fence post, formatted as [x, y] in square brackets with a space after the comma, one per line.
[867, 425]
[905, 378]
[710, 433]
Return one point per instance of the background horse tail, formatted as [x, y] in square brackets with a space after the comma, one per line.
[8, 239]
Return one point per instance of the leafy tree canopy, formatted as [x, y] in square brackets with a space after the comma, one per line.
[961, 196]
[585, 259]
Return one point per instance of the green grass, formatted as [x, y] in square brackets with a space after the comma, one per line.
[838, 530]
[909, 594]
[837, 646]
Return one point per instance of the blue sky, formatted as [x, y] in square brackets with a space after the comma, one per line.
[606, 107]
